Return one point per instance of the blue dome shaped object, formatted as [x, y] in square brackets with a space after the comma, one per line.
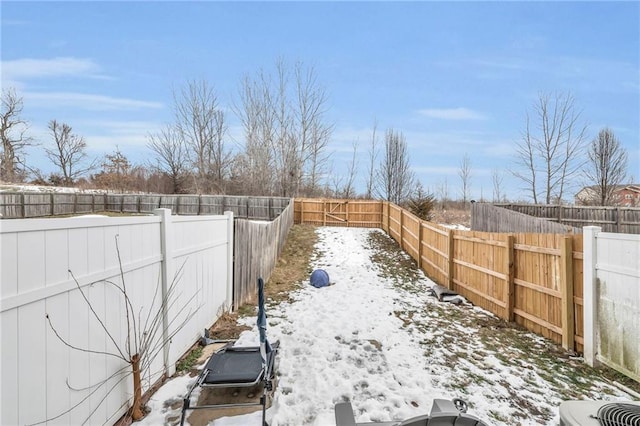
[319, 278]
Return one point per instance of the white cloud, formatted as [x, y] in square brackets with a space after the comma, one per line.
[87, 101]
[27, 68]
[452, 114]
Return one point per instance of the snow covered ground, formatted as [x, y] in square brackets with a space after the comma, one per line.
[377, 339]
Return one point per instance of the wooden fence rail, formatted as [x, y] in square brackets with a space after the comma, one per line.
[38, 204]
[532, 279]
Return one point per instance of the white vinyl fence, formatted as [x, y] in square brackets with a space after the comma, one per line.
[57, 363]
[612, 300]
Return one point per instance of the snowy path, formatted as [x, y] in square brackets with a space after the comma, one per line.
[377, 339]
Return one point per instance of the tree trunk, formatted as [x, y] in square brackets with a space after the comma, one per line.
[136, 409]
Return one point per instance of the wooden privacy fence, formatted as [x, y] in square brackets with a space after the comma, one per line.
[257, 246]
[532, 279]
[490, 218]
[625, 220]
[364, 214]
[38, 204]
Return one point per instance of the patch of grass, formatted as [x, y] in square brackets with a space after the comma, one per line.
[227, 327]
[186, 363]
[393, 262]
[293, 264]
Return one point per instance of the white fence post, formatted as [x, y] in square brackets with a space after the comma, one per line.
[229, 302]
[590, 314]
[167, 273]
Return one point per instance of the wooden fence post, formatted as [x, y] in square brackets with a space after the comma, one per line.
[402, 229]
[566, 287]
[419, 244]
[450, 255]
[324, 213]
[346, 206]
[301, 210]
[510, 285]
[52, 203]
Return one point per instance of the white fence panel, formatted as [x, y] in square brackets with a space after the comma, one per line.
[44, 317]
[201, 248]
[612, 300]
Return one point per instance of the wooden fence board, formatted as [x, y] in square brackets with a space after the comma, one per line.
[256, 250]
[38, 204]
[553, 218]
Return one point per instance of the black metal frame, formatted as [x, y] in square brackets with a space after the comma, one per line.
[266, 376]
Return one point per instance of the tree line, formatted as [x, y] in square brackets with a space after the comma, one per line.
[284, 152]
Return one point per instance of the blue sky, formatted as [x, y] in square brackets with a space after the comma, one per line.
[454, 77]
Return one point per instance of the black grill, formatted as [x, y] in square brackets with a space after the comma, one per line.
[619, 414]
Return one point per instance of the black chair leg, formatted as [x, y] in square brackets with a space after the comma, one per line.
[185, 407]
[263, 401]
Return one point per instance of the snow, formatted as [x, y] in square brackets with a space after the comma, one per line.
[46, 189]
[388, 349]
[456, 226]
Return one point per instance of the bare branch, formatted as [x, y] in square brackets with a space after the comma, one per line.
[13, 135]
[69, 152]
[104, 327]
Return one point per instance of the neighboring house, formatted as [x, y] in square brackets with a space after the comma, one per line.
[623, 195]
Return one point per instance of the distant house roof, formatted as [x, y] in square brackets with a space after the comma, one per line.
[635, 187]
[590, 193]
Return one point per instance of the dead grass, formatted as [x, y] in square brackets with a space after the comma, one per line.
[293, 265]
[292, 268]
[452, 216]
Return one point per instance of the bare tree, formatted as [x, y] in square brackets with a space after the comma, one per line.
[349, 191]
[552, 156]
[373, 156]
[201, 124]
[254, 166]
[497, 178]
[607, 165]
[68, 153]
[170, 155]
[285, 115]
[465, 177]
[443, 192]
[116, 173]
[313, 132]
[394, 177]
[13, 130]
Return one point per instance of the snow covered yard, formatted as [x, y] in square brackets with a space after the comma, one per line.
[377, 339]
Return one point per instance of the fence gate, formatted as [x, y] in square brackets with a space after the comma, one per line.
[335, 211]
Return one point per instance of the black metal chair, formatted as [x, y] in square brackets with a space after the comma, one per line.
[237, 367]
